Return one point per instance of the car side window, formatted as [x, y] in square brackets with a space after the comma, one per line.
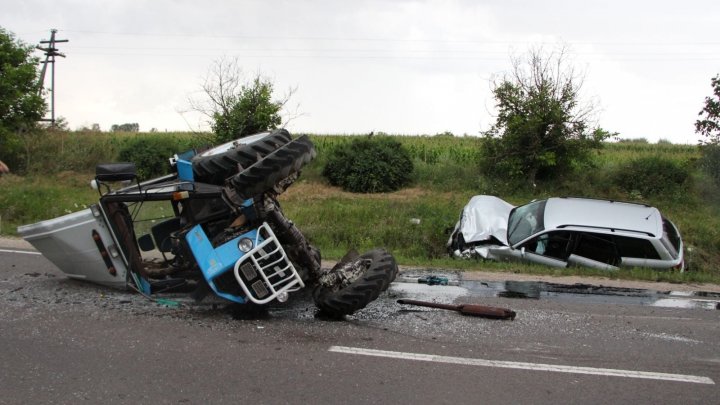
[551, 244]
[597, 247]
[636, 247]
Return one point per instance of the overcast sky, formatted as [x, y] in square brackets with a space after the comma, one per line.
[404, 66]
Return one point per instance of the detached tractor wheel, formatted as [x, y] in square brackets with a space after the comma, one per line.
[266, 173]
[356, 283]
[217, 164]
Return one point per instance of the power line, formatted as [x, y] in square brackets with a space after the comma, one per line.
[381, 54]
[623, 51]
[389, 39]
[380, 50]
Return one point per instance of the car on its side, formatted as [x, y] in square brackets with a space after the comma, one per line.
[568, 231]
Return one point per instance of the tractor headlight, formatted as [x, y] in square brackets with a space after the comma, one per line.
[245, 245]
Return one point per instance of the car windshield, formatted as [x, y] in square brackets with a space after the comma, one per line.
[525, 221]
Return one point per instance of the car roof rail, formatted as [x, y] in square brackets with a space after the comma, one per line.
[605, 228]
[607, 199]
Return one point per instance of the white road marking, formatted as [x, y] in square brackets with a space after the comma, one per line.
[20, 251]
[524, 366]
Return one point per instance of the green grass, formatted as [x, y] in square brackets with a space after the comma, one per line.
[26, 200]
[446, 176]
[338, 221]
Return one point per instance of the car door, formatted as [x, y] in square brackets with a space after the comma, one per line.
[549, 249]
[594, 250]
[640, 252]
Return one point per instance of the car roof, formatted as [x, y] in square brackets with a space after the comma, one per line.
[602, 215]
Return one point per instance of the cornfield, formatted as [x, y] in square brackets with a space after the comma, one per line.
[427, 149]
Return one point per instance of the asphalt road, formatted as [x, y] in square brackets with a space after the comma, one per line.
[64, 341]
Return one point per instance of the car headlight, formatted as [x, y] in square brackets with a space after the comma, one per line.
[245, 245]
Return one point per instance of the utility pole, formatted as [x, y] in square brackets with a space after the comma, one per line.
[50, 53]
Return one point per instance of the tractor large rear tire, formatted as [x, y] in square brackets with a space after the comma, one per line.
[214, 168]
[377, 270]
[266, 173]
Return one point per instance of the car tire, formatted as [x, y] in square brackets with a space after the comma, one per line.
[266, 173]
[378, 269]
[214, 168]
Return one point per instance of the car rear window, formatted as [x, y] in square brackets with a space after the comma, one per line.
[636, 247]
[671, 238]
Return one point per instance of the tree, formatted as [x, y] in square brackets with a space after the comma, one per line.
[92, 128]
[21, 104]
[252, 111]
[127, 127]
[236, 107]
[709, 125]
[60, 125]
[542, 129]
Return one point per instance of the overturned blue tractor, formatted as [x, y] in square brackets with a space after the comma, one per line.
[214, 225]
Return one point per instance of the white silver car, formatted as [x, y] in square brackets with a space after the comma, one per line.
[567, 231]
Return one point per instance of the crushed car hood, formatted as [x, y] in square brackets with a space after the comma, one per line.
[483, 218]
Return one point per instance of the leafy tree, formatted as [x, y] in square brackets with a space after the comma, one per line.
[21, 105]
[709, 125]
[127, 127]
[237, 107]
[60, 125]
[542, 129]
[251, 111]
[92, 128]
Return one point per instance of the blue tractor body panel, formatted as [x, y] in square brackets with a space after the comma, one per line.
[214, 262]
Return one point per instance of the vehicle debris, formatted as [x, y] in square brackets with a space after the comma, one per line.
[433, 280]
[212, 226]
[466, 309]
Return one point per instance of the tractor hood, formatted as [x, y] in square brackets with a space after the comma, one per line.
[483, 218]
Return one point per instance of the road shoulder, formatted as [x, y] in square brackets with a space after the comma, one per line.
[7, 242]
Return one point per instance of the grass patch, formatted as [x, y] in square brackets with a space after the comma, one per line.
[26, 200]
[337, 221]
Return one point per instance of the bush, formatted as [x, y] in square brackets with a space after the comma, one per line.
[710, 161]
[369, 165]
[652, 175]
[151, 153]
